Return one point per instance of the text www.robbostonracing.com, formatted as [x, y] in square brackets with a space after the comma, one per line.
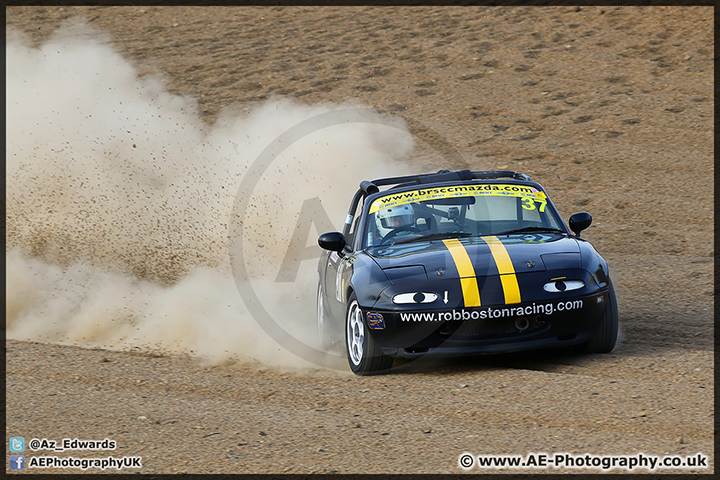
[489, 313]
[587, 460]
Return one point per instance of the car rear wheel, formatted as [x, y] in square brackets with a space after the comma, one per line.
[329, 332]
[605, 337]
[364, 356]
[322, 324]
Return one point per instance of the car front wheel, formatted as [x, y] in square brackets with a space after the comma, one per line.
[364, 356]
[605, 337]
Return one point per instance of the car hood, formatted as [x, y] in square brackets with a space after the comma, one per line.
[527, 253]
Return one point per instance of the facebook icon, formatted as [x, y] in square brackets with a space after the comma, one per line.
[17, 462]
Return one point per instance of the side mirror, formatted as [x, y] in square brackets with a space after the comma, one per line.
[333, 241]
[579, 222]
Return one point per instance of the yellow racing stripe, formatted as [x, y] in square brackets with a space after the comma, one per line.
[468, 281]
[505, 268]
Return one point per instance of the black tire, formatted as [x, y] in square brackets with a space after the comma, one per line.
[605, 337]
[364, 356]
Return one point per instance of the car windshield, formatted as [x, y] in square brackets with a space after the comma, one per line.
[457, 211]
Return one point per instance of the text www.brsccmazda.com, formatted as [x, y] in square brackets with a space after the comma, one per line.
[490, 313]
[585, 461]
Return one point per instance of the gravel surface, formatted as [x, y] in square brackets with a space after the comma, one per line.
[610, 108]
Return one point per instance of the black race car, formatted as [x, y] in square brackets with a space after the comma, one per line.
[458, 263]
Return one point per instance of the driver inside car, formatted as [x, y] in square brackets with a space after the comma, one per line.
[396, 219]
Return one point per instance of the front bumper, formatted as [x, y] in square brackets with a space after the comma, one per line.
[492, 329]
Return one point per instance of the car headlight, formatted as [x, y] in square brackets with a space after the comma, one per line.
[414, 297]
[563, 285]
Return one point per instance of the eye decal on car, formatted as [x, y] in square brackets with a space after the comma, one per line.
[558, 286]
[414, 297]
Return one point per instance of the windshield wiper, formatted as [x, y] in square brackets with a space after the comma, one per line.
[532, 229]
[434, 236]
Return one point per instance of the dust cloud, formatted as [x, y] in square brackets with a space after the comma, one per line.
[120, 205]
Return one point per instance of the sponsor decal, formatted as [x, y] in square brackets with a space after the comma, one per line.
[530, 195]
[375, 321]
[491, 313]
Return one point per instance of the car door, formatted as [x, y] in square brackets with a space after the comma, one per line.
[338, 272]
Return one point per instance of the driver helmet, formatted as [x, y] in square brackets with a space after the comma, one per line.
[395, 217]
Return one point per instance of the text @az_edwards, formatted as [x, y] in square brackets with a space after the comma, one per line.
[71, 444]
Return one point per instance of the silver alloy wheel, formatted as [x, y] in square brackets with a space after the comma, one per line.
[355, 334]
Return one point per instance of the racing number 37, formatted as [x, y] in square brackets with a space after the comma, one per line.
[529, 203]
